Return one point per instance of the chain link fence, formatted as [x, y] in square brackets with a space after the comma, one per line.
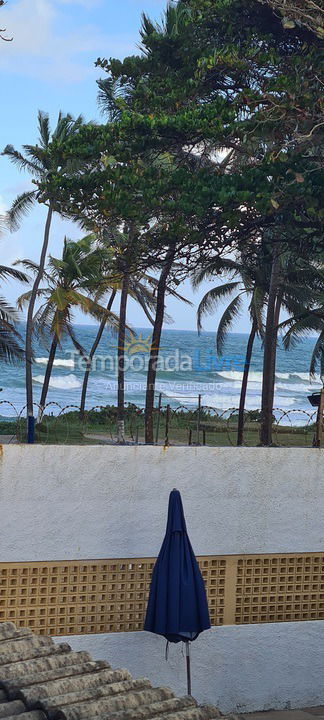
[173, 425]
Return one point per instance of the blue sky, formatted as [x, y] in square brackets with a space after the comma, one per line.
[50, 66]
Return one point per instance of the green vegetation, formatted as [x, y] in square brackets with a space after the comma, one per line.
[179, 427]
[209, 164]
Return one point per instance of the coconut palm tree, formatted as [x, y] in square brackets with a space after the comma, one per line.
[295, 284]
[252, 275]
[248, 279]
[70, 283]
[40, 160]
[115, 278]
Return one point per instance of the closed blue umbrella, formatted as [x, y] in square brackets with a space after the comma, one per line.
[177, 606]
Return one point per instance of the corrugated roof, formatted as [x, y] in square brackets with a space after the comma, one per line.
[42, 680]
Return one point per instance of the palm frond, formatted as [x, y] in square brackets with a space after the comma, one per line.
[231, 313]
[215, 268]
[317, 356]
[10, 348]
[3, 223]
[33, 267]
[110, 98]
[21, 162]
[90, 307]
[257, 307]
[8, 314]
[20, 207]
[24, 299]
[44, 128]
[298, 328]
[144, 305]
[39, 157]
[11, 272]
[77, 345]
[212, 298]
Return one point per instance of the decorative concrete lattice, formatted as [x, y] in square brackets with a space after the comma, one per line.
[102, 596]
[280, 588]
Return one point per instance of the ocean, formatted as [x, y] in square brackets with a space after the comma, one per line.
[188, 367]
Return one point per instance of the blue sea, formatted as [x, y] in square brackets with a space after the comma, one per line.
[188, 367]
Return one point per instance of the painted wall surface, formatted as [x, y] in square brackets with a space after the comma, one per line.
[70, 502]
[237, 668]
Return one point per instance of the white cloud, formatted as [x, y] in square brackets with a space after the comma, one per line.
[89, 4]
[43, 48]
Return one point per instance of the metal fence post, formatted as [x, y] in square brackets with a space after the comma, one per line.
[30, 429]
[167, 423]
[158, 419]
[198, 420]
[319, 422]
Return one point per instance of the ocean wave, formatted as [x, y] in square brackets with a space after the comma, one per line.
[296, 387]
[61, 382]
[222, 401]
[256, 376]
[59, 362]
[306, 378]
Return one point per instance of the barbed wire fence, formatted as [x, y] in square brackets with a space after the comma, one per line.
[174, 424]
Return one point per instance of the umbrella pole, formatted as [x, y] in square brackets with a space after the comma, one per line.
[188, 664]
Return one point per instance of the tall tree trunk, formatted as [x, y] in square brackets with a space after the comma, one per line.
[155, 345]
[121, 362]
[240, 424]
[47, 378]
[274, 348]
[91, 354]
[269, 356]
[29, 325]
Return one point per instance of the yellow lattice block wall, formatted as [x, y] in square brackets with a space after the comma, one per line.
[96, 596]
[280, 588]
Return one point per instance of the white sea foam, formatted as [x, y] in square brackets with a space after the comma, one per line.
[256, 376]
[59, 362]
[224, 401]
[61, 382]
[306, 378]
[294, 387]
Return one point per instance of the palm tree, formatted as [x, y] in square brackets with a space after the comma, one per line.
[309, 319]
[70, 280]
[295, 284]
[251, 282]
[11, 350]
[116, 279]
[40, 160]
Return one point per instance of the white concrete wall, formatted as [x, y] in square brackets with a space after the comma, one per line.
[74, 502]
[237, 668]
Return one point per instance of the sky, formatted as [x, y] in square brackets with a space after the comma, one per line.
[49, 65]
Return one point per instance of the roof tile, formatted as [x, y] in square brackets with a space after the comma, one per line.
[44, 681]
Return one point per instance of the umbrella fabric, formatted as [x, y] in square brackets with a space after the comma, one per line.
[177, 606]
